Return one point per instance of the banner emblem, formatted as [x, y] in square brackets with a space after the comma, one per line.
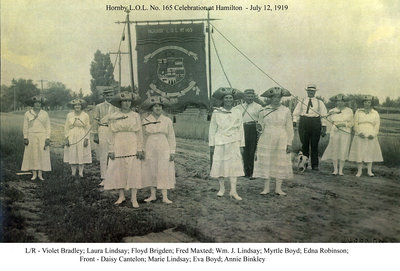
[171, 70]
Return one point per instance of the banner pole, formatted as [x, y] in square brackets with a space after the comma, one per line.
[130, 51]
[209, 57]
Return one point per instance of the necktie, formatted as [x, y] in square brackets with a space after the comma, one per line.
[309, 105]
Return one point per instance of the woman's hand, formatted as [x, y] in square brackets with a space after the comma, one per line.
[172, 157]
[140, 155]
[288, 148]
[85, 142]
[361, 135]
[26, 141]
[47, 142]
[370, 137]
[111, 155]
[66, 142]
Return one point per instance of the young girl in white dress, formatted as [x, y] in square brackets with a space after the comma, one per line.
[340, 121]
[36, 132]
[226, 141]
[275, 142]
[365, 146]
[125, 149]
[159, 155]
[77, 151]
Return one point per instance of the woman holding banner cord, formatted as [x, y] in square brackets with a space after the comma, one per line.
[77, 151]
[226, 141]
[125, 149]
[340, 120]
[275, 143]
[36, 132]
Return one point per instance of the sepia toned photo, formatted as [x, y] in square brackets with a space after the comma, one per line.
[245, 122]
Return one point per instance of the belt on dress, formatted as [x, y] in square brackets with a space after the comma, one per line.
[125, 156]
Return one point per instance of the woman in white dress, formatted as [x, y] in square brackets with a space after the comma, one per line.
[275, 142]
[77, 151]
[158, 165]
[365, 146]
[36, 132]
[340, 122]
[125, 149]
[226, 141]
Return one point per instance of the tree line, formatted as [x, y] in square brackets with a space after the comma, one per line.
[58, 95]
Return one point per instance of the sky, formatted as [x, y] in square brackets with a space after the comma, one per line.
[341, 46]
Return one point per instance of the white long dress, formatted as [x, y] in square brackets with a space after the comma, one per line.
[272, 159]
[124, 172]
[36, 129]
[77, 130]
[160, 143]
[340, 138]
[364, 149]
[227, 135]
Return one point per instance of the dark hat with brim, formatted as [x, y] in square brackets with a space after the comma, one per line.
[152, 100]
[367, 98]
[339, 97]
[35, 99]
[220, 93]
[274, 91]
[80, 101]
[124, 96]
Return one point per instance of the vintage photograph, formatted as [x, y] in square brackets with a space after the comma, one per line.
[189, 121]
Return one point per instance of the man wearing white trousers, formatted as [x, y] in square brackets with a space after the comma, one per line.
[101, 131]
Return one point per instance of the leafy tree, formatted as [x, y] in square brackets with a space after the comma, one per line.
[57, 94]
[6, 99]
[24, 90]
[102, 72]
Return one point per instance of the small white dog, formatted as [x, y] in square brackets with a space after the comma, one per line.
[302, 162]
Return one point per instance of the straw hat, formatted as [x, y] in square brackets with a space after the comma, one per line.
[311, 87]
[124, 96]
[152, 100]
[220, 93]
[276, 90]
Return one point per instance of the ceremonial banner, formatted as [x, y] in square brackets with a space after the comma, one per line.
[171, 63]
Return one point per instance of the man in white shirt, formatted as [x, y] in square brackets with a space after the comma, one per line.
[250, 111]
[310, 113]
[101, 131]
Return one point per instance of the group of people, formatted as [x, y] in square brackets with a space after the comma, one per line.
[248, 139]
[134, 152]
[255, 141]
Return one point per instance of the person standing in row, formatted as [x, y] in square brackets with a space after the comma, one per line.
[365, 146]
[275, 143]
[125, 149]
[250, 111]
[310, 113]
[226, 141]
[77, 151]
[340, 119]
[158, 165]
[101, 130]
[36, 132]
